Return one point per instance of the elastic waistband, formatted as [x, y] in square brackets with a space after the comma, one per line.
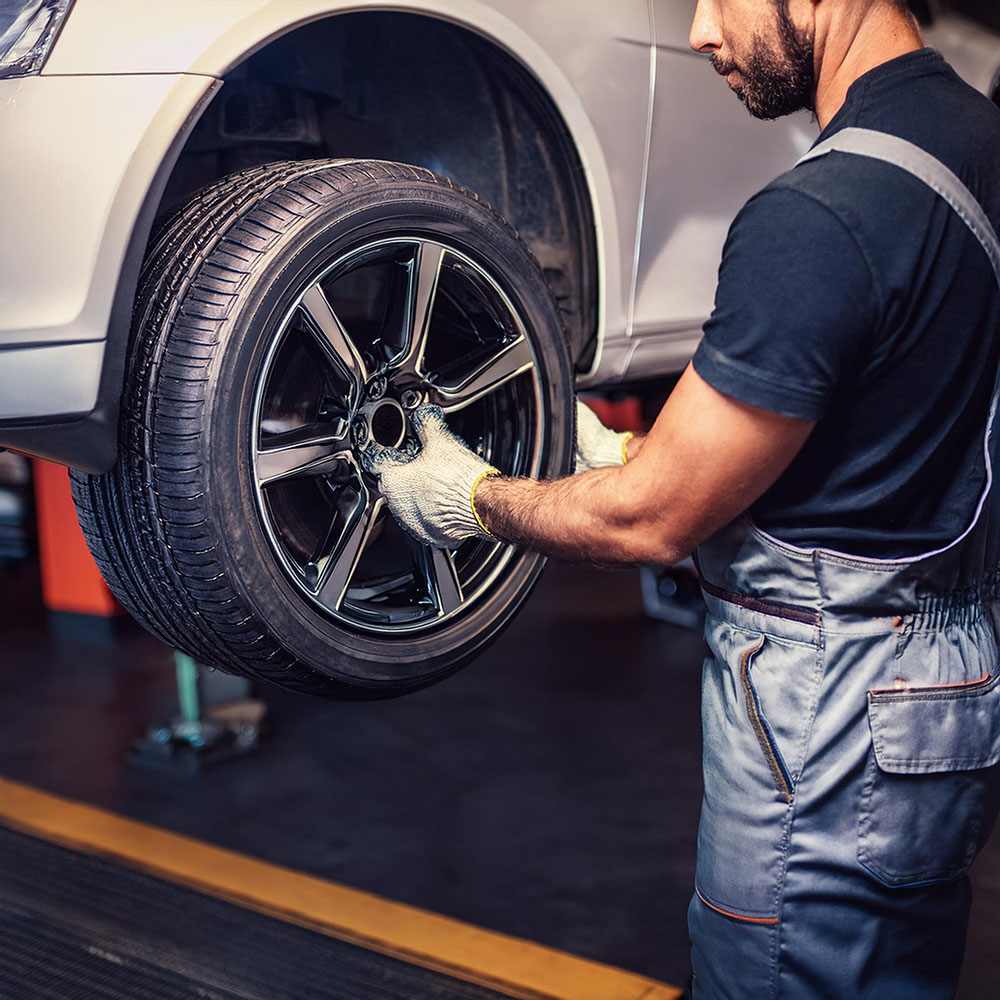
[961, 607]
[964, 607]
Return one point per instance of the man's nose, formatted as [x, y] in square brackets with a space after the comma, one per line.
[706, 31]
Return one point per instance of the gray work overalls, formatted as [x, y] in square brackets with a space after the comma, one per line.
[851, 718]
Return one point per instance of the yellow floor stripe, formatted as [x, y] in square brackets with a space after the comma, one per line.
[509, 965]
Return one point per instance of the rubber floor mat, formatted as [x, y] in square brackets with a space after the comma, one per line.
[77, 927]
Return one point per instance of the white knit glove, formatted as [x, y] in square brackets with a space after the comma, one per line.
[597, 446]
[431, 489]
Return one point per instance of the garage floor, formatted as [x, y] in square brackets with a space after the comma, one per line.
[549, 791]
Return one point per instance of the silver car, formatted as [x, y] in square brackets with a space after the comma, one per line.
[243, 238]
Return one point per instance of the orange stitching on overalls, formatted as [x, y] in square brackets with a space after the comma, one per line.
[756, 722]
[958, 686]
[770, 921]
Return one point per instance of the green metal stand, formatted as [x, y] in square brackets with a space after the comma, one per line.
[204, 733]
[188, 693]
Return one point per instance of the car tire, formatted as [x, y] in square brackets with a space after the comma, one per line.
[185, 527]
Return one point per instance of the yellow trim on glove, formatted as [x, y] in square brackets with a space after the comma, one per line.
[626, 437]
[485, 474]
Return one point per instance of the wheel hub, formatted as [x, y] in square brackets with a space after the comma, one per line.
[382, 421]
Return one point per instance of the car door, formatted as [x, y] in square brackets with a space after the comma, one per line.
[707, 157]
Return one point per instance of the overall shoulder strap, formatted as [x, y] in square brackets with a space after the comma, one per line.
[923, 166]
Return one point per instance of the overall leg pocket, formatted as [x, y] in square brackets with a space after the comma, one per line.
[929, 798]
[758, 696]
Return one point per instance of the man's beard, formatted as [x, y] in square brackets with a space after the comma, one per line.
[776, 82]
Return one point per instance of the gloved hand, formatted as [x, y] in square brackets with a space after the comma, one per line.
[431, 489]
[597, 446]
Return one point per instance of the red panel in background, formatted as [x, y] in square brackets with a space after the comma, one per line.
[624, 414]
[70, 578]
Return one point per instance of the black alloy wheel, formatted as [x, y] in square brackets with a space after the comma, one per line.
[385, 329]
[288, 316]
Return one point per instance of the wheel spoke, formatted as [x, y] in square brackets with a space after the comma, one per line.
[423, 283]
[332, 336]
[442, 578]
[338, 567]
[511, 360]
[298, 454]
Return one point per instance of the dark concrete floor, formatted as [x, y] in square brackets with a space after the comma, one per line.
[550, 790]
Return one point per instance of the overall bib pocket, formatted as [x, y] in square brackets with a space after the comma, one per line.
[930, 791]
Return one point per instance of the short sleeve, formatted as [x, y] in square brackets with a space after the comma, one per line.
[796, 307]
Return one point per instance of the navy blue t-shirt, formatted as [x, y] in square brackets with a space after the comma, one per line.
[851, 294]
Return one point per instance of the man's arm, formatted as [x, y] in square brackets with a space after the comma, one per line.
[795, 312]
[706, 460]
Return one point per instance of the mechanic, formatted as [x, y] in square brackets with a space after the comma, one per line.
[827, 456]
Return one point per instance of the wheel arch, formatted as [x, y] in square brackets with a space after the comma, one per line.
[248, 37]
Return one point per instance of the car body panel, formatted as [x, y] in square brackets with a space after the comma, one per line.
[75, 220]
[72, 194]
[32, 379]
[595, 68]
[725, 165]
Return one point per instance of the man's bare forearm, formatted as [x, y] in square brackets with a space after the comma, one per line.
[584, 517]
[706, 460]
